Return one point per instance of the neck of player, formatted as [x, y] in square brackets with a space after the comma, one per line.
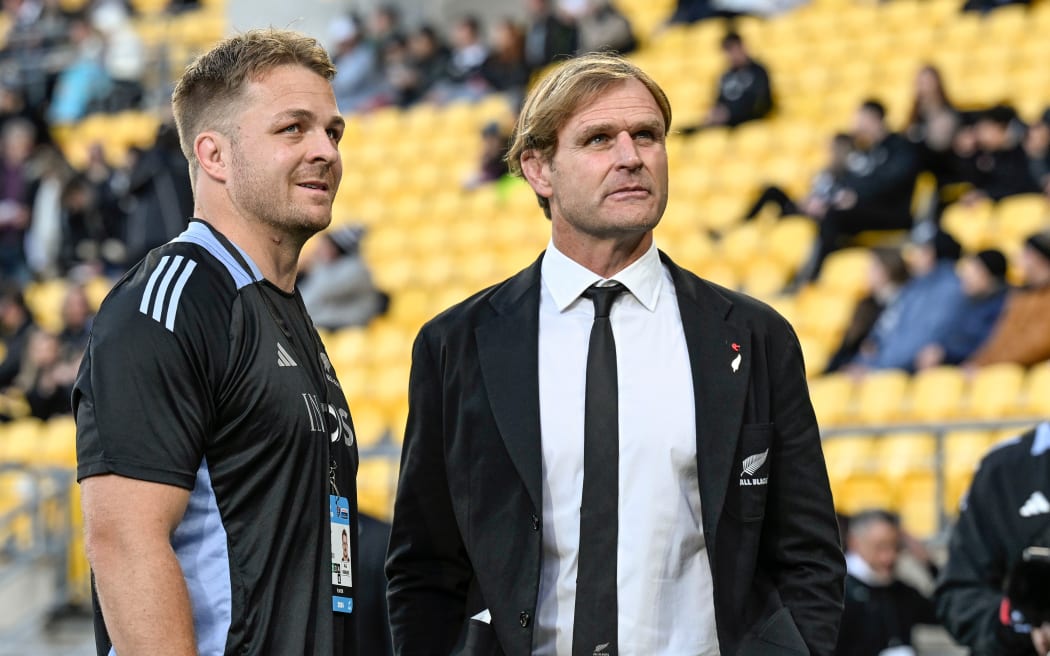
[604, 255]
[274, 251]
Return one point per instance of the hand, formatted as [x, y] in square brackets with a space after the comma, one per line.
[845, 199]
[930, 356]
[815, 207]
[1041, 639]
[718, 115]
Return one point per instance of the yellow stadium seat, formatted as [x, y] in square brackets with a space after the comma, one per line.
[58, 443]
[862, 492]
[370, 424]
[1036, 396]
[1016, 217]
[995, 392]
[791, 240]
[963, 450]
[20, 440]
[880, 396]
[971, 225]
[936, 394]
[831, 396]
[916, 503]
[905, 453]
[846, 272]
[849, 454]
[376, 484]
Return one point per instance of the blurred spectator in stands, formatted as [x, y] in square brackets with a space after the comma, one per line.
[690, 11]
[983, 278]
[13, 106]
[337, 286]
[384, 25]
[985, 6]
[992, 157]
[601, 26]
[77, 317]
[468, 49]
[178, 6]
[17, 144]
[548, 35]
[359, 84]
[493, 165]
[880, 610]
[401, 76]
[16, 325]
[887, 274]
[124, 56]
[429, 57]
[924, 307]
[821, 193]
[83, 84]
[37, 47]
[1037, 146]
[93, 221]
[504, 69]
[744, 90]
[463, 79]
[932, 125]
[50, 173]
[1022, 334]
[876, 190]
[46, 377]
[160, 198]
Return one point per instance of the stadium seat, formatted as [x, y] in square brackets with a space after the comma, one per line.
[790, 241]
[1016, 217]
[880, 396]
[995, 392]
[376, 484]
[370, 424]
[848, 454]
[1036, 394]
[963, 450]
[971, 225]
[917, 504]
[845, 272]
[936, 394]
[903, 454]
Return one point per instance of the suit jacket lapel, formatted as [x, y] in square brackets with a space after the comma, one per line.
[508, 350]
[719, 387]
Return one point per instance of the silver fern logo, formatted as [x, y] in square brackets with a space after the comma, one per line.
[753, 463]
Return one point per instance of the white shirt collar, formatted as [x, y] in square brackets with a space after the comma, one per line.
[567, 279]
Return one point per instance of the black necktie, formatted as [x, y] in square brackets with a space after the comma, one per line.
[594, 624]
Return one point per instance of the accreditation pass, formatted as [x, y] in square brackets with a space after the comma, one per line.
[342, 573]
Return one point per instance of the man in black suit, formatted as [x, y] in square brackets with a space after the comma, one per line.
[606, 454]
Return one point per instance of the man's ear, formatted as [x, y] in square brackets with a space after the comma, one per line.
[212, 151]
[536, 170]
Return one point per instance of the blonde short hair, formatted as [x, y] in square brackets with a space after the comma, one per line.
[209, 88]
[564, 90]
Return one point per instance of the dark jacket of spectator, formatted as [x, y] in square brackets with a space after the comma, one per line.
[604, 27]
[1000, 173]
[547, 36]
[504, 68]
[16, 326]
[884, 175]
[161, 196]
[877, 616]
[746, 93]
[970, 329]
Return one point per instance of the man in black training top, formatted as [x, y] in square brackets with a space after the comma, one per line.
[215, 448]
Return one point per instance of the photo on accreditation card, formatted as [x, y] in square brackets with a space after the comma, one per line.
[339, 512]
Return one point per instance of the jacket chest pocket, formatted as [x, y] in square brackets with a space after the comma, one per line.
[746, 497]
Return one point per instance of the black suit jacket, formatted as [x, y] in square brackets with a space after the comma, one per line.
[467, 528]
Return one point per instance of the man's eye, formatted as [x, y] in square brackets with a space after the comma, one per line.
[334, 134]
[597, 139]
[291, 128]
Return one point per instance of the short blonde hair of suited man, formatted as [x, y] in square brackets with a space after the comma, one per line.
[561, 93]
[206, 95]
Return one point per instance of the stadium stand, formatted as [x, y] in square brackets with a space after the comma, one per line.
[893, 440]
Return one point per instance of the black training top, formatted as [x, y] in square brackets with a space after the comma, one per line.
[203, 375]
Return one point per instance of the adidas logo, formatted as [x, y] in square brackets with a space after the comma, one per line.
[283, 359]
[161, 298]
[1037, 504]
